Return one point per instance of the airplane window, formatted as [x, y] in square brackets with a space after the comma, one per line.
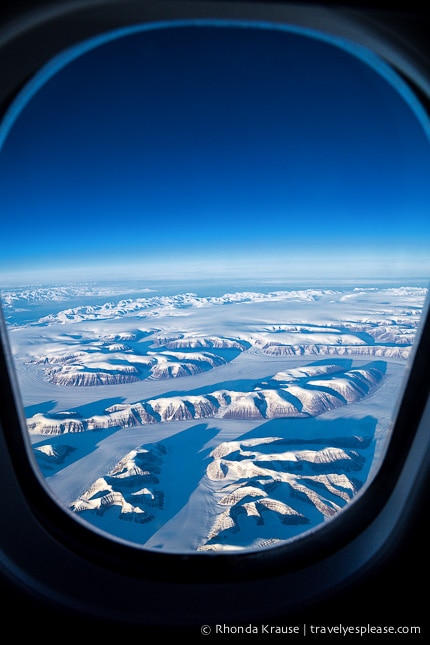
[214, 265]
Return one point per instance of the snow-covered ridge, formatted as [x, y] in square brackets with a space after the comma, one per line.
[285, 395]
[130, 487]
[85, 361]
[375, 351]
[96, 370]
[50, 456]
[39, 294]
[269, 481]
[162, 305]
[194, 342]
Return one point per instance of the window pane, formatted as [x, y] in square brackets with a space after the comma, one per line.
[214, 264]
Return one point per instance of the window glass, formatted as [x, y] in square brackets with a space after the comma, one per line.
[214, 261]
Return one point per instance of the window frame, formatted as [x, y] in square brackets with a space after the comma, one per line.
[324, 558]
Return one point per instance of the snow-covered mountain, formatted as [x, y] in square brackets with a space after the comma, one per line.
[84, 361]
[285, 395]
[258, 491]
[266, 487]
[157, 305]
[89, 369]
[375, 351]
[130, 487]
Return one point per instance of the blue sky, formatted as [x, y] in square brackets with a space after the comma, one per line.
[213, 147]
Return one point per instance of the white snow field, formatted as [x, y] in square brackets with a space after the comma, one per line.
[187, 422]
